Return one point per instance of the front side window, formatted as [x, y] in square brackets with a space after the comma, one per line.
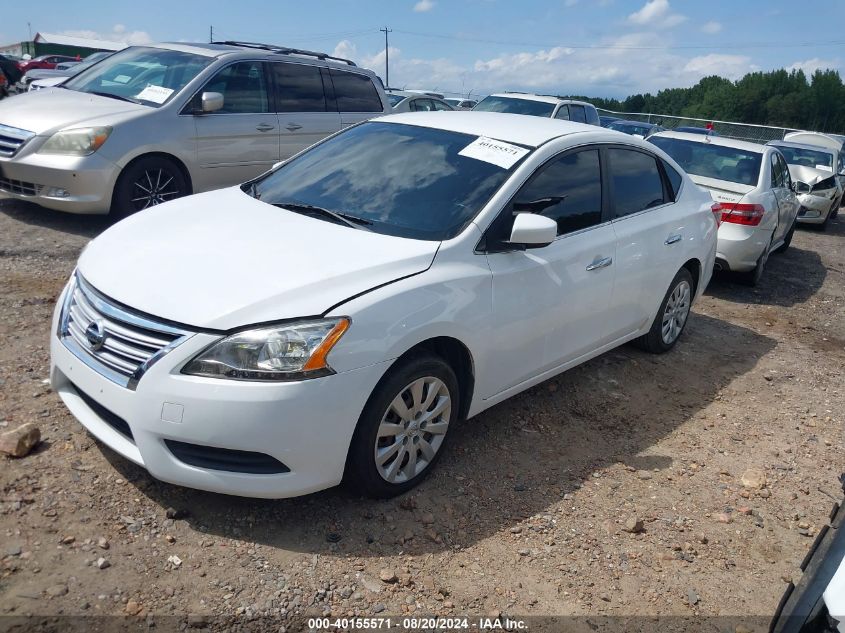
[299, 88]
[355, 92]
[422, 105]
[515, 105]
[566, 189]
[577, 114]
[637, 184]
[708, 160]
[244, 88]
[397, 179]
[150, 76]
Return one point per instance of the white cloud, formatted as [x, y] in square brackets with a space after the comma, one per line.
[810, 66]
[119, 33]
[730, 66]
[424, 5]
[656, 13]
[711, 27]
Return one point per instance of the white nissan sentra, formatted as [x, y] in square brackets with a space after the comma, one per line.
[336, 317]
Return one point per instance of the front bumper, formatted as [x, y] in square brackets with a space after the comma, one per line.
[741, 246]
[74, 184]
[814, 209]
[306, 425]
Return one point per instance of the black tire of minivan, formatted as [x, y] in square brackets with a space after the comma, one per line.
[147, 182]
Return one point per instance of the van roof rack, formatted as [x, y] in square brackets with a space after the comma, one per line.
[284, 50]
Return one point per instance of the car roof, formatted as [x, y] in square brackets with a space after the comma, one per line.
[531, 131]
[712, 140]
[411, 93]
[527, 96]
[815, 148]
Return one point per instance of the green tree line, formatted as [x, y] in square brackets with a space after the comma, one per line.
[780, 97]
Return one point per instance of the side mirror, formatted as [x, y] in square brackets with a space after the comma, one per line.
[533, 231]
[211, 101]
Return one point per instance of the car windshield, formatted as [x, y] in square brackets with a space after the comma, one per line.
[807, 157]
[150, 76]
[396, 179]
[395, 99]
[515, 106]
[712, 161]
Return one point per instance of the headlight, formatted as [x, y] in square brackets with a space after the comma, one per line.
[281, 352]
[77, 142]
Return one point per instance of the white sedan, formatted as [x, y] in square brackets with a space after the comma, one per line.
[336, 317]
[752, 186]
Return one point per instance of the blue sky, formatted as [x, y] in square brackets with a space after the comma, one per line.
[594, 47]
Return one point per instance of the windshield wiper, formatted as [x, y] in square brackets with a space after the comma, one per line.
[112, 96]
[340, 218]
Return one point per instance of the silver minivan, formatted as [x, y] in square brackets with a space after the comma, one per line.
[153, 123]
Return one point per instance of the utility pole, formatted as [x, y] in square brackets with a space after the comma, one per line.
[29, 28]
[386, 30]
[210, 34]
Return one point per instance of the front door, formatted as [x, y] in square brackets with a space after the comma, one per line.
[240, 140]
[550, 304]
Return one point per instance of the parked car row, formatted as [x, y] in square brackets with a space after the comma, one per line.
[354, 287]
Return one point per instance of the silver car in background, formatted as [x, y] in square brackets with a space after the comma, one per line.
[752, 187]
[415, 101]
[817, 186]
[61, 71]
[153, 123]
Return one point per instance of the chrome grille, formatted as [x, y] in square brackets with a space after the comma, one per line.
[12, 139]
[119, 344]
[20, 187]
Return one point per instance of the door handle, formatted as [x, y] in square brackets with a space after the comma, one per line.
[293, 126]
[601, 263]
[673, 239]
[265, 127]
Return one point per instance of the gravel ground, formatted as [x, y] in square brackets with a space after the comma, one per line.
[614, 489]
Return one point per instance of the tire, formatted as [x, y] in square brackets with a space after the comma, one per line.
[381, 428]
[787, 240]
[753, 276]
[147, 182]
[678, 302]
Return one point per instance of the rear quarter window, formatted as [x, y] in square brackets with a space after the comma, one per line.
[355, 92]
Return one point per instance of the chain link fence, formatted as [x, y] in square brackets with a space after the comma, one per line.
[741, 131]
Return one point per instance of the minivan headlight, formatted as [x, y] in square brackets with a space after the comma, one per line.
[291, 351]
[76, 142]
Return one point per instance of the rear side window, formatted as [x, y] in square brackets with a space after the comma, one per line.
[441, 105]
[422, 105]
[566, 189]
[299, 88]
[592, 116]
[355, 92]
[562, 113]
[675, 179]
[577, 114]
[637, 184]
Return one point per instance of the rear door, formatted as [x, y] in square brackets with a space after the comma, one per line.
[356, 96]
[651, 235]
[784, 197]
[240, 140]
[306, 115]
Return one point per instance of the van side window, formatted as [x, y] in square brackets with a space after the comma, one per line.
[355, 92]
[243, 86]
[299, 88]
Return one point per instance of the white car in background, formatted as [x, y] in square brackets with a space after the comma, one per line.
[540, 105]
[415, 101]
[337, 316]
[819, 190]
[752, 186]
[462, 104]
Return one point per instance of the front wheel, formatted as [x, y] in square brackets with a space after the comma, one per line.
[403, 429]
[148, 182]
[671, 317]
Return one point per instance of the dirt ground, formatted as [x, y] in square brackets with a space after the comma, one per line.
[534, 511]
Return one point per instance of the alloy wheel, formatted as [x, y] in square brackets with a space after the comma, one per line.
[676, 312]
[412, 429]
[153, 187]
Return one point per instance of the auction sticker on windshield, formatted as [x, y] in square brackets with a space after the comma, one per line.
[492, 151]
[156, 94]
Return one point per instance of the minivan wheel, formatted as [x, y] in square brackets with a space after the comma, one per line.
[403, 429]
[672, 316]
[146, 183]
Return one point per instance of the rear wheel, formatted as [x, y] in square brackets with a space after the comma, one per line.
[403, 429]
[672, 316]
[148, 182]
[787, 240]
[753, 277]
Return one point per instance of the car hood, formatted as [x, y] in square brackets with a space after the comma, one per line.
[722, 190]
[809, 175]
[222, 260]
[46, 112]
